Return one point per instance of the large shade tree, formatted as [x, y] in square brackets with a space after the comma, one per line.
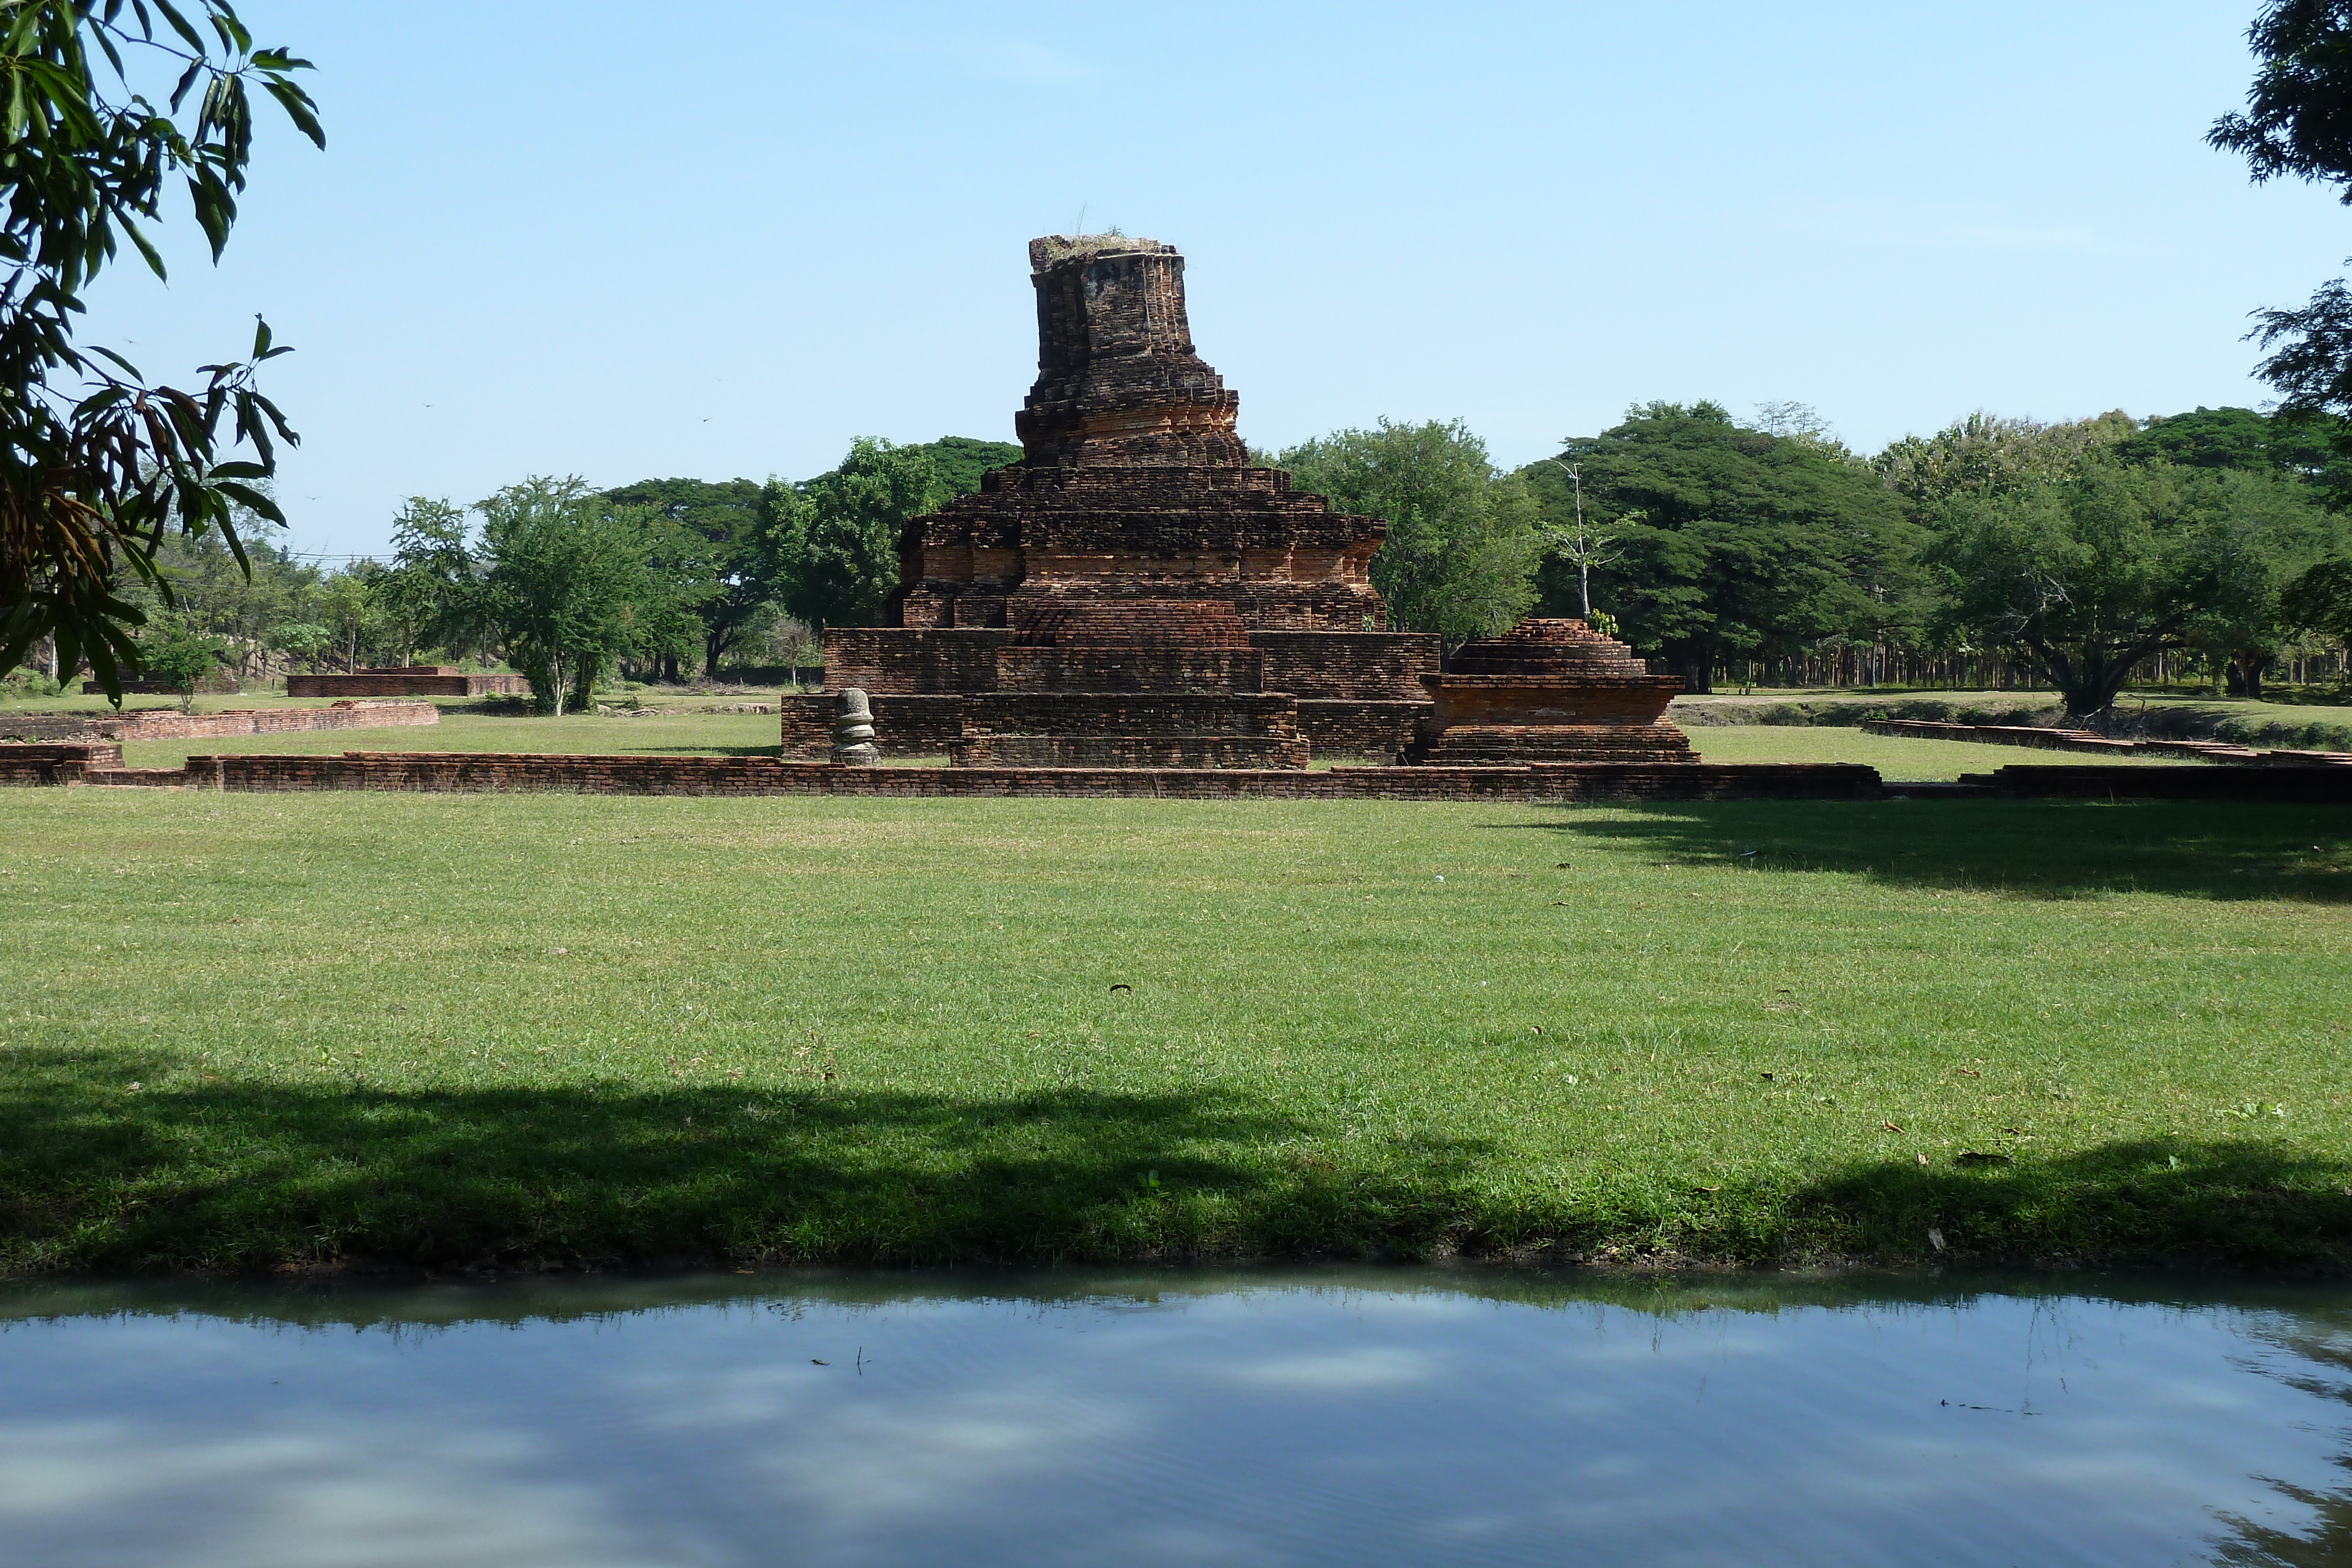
[2082, 579]
[1729, 541]
[110, 105]
[716, 549]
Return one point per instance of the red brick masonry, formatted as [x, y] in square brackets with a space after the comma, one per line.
[426, 682]
[165, 725]
[436, 771]
[453, 773]
[2085, 740]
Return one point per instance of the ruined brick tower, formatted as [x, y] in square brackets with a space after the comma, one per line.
[1132, 592]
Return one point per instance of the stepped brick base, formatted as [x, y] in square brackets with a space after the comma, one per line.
[1154, 750]
[1461, 743]
[1377, 731]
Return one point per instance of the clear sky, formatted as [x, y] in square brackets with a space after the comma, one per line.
[712, 240]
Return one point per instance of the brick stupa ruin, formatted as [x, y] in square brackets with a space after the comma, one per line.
[1133, 592]
[1547, 690]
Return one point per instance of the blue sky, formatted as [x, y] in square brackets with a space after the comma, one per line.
[714, 240]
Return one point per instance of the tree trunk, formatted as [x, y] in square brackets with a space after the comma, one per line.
[2245, 674]
[1695, 663]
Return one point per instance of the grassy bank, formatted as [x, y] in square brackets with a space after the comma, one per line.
[245, 1031]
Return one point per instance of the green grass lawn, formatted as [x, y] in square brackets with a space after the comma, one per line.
[243, 1030]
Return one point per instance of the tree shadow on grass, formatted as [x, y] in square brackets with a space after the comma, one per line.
[214, 1173]
[2245, 1202]
[188, 1172]
[2045, 849]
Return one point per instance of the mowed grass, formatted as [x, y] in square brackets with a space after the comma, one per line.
[246, 1030]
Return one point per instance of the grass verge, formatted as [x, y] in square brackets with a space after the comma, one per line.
[248, 1030]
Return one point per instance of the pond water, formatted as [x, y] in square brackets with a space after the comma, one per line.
[1314, 1415]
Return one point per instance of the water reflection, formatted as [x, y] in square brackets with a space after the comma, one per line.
[1238, 1416]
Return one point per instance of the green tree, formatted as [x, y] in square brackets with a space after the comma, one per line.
[1732, 542]
[2319, 598]
[565, 581]
[2310, 447]
[1464, 540]
[181, 654]
[347, 602]
[433, 589]
[97, 466]
[719, 555]
[304, 639]
[960, 460]
[1985, 454]
[2271, 531]
[837, 536]
[2082, 579]
[2298, 123]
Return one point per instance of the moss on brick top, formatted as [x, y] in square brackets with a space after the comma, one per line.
[1052, 250]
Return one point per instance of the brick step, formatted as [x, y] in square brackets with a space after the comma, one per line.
[1131, 713]
[982, 750]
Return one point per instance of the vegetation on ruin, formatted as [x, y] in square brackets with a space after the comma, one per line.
[248, 1030]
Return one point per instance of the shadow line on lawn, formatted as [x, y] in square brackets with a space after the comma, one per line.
[2044, 849]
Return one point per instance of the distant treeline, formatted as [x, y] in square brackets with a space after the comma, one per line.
[2210, 546]
[2206, 546]
[663, 579]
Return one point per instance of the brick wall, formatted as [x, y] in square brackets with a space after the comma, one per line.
[1375, 730]
[478, 772]
[382, 684]
[165, 725]
[903, 726]
[1361, 666]
[882, 659]
[2316, 786]
[55, 762]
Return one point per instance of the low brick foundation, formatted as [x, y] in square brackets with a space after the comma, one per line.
[398, 684]
[2041, 739]
[2307, 785]
[164, 724]
[47, 762]
[436, 771]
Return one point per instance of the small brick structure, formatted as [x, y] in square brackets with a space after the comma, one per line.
[164, 723]
[57, 762]
[1547, 690]
[406, 681]
[215, 683]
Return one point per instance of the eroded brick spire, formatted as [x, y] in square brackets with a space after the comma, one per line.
[1118, 380]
